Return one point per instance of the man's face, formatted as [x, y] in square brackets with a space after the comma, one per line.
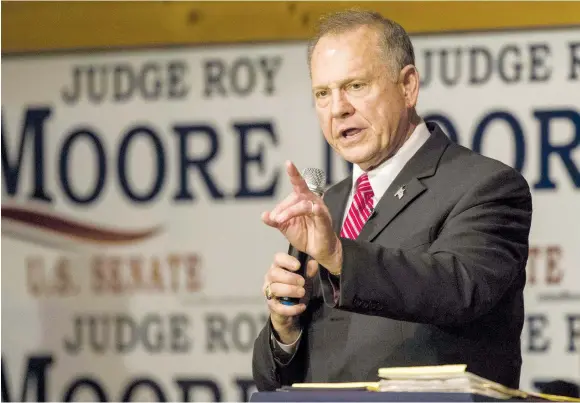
[362, 109]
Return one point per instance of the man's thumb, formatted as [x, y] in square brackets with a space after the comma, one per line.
[311, 268]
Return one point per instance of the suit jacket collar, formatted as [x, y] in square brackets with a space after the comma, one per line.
[422, 165]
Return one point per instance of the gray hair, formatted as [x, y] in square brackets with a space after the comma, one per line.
[393, 39]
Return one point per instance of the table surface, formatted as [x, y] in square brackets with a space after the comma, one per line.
[366, 396]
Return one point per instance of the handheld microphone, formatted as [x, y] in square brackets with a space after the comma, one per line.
[315, 180]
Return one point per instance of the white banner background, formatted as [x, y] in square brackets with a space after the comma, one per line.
[195, 315]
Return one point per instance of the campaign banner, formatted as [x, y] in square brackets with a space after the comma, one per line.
[133, 253]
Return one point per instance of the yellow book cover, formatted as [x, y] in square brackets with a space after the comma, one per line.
[336, 385]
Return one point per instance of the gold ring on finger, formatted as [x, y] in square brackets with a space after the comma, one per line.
[268, 292]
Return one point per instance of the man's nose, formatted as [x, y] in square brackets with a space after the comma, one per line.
[341, 107]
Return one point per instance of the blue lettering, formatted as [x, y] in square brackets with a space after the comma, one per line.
[517, 132]
[247, 158]
[33, 127]
[186, 385]
[146, 196]
[185, 133]
[100, 169]
[246, 387]
[564, 151]
[139, 383]
[36, 371]
[79, 383]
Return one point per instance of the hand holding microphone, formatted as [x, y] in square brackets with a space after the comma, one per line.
[305, 221]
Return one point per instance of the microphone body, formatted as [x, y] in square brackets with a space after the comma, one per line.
[303, 259]
[315, 179]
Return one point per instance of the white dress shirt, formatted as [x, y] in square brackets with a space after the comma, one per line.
[380, 179]
[382, 176]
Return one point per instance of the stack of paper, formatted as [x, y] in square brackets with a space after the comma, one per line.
[445, 378]
[337, 386]
[449, 378]
[434, 379]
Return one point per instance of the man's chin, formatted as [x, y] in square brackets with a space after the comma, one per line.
[358, 161]
[355, 155]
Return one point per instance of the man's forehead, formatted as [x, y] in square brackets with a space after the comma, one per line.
[337, 60]
[345, 47]
[361, 36]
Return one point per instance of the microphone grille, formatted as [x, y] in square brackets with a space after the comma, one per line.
[315, 179]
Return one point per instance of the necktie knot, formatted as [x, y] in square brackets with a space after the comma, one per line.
[360, 209]
[363, 188]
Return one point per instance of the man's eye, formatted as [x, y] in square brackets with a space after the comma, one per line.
[356, 86]
[321, 94]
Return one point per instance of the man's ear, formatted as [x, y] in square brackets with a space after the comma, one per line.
[409, 81]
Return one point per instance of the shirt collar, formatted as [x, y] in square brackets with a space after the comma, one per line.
[383, 175]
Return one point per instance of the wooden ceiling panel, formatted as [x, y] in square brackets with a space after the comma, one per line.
[62, 25]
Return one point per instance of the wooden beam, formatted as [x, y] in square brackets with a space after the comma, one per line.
[65, 25]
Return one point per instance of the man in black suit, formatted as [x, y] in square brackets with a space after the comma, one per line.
[418, 257]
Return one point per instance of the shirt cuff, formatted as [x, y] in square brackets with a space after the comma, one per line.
[287, 348]
[334, 281]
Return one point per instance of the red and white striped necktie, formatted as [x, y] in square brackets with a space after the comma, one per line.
[360, 209]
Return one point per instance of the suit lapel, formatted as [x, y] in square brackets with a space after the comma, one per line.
[390, 206]
[423, 164]
[337, 204]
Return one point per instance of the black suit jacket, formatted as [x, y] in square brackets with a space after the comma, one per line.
[435, 277]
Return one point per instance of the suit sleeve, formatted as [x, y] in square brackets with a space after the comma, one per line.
[273, 368]
[480, 250]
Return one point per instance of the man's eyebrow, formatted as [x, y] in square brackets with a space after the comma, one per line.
[319, 87]
[340, 83]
